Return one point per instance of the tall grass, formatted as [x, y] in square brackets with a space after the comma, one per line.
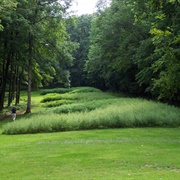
[69, 90]
[83, 106]
[84, 96]
[54, 100]
[126, 112]
[57, 103]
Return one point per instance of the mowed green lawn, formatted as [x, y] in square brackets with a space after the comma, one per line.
[139, 153]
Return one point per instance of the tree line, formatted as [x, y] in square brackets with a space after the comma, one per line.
[133, 47]
[129, 46]
[34, 46]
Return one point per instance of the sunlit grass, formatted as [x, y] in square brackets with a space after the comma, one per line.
[121, 113]
[118, 153]
[81, 109]
[84, 96]
[149, 153]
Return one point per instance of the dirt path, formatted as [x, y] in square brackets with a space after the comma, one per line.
[6, 116]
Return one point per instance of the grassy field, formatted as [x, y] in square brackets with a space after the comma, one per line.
[80, 109]
[87, 148]
[139, 153]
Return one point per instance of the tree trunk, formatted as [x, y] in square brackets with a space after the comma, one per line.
[3, 86]
[28, 110]
[18, 86]
[10, 87]
[4, 75]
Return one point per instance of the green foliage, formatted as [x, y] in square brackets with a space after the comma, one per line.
[114, 39]
[6, 8]
[79, 33]
[162, 18]
[134, 48]
[35, 47]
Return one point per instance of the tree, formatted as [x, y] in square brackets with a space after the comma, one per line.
[6, 8]
[7, 48]
[79, 33]
[114, 39]
[163, 19]
[41, 13]
[33, 29]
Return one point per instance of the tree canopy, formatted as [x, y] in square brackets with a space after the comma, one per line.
[35, 46]
[135, 48]
[126, 46]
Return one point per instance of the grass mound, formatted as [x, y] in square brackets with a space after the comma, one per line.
[83, 106]
[55, 90]
[54, 100]
[69, 90]
[124, 112]
[57, 103]
[55, 97]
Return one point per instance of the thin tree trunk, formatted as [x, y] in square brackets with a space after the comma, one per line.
[18, 86]
[31, 43]
[28, 110]
[10, 87]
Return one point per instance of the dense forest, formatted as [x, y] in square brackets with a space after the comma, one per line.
[130, 46]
